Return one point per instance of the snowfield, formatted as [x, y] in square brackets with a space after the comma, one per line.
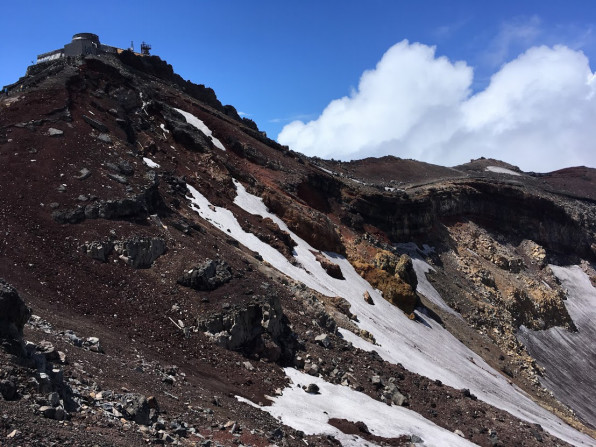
[150, 162]
[424, 348]
[500, 170]
[311, 413]
[194, 121]
[570, 357]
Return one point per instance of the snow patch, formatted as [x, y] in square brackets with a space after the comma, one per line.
[569, 358]
[358, 181]
[194, 121]
[422, 346]
[144, 104]
[326, 170]
[311, 413]
[501, 170]
[150, 163]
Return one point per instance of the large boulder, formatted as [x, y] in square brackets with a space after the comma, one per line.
[401, 267]
[386, 261]
[257, 327]
[207, 276]
[394, 289]
[191, 138]
[404, 269]
[140, 252]
[136, 408]
[13, 316]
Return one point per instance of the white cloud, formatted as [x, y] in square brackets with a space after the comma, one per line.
[537, 112]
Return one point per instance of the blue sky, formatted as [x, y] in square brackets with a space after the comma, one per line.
[280, 61]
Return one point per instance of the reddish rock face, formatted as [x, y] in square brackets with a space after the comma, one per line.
[97, 229]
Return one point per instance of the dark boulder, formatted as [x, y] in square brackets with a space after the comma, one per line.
[191, 138]
[126, 125]
[8, 390]
[140, 252]
[257, 327]
[72, 216]
[231, 111]
[13, 316]
[207, 276]
[96, 124]
[136, 408]
[136, 208]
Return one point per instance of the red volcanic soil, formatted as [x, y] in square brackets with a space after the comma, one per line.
[577, 182]
[389, 169]
[140, 315]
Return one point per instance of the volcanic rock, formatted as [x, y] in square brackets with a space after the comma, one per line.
[13, 316]
[207, 276]
[248, 327]
[494, 238]
[140, 252]
[136, 408]
[96, 124]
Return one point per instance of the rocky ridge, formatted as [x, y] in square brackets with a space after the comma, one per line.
[101, 239]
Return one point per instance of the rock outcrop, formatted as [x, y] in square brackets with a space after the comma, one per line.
[312, 226]
[138, 252]
[119, 162]
[13, 316]
[207, 276]
[394, 276]
[136, 207]
[259, 327]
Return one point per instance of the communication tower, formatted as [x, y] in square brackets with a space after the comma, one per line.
[145, 47]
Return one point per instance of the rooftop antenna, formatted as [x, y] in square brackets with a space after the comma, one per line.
[145, 47]
[132, 46]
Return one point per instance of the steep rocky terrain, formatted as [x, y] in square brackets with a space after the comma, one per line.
[170, 275]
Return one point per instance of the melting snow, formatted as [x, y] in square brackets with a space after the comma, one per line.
[569, 358]
[425, 287]
[193, 120]
[500, 170]
[425, 348]
[311, 413]
[421, 268]
[326, 170]
[144, 103]
[150, 163]
[358, 181]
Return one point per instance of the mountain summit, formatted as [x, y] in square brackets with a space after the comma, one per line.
[170, 275]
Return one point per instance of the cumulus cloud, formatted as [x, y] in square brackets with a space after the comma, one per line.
[537, 112]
